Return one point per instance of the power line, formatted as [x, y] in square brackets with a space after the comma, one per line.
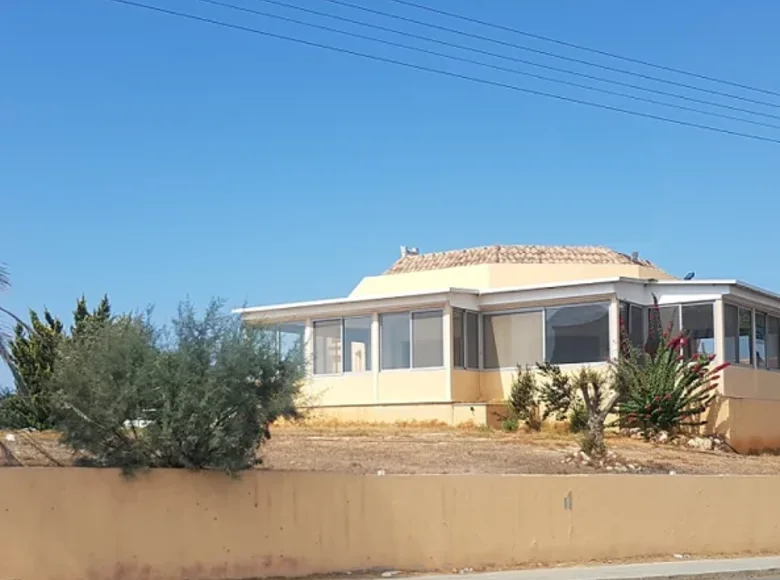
[440, 72]
[479, 63]
[518, 60]
[584, 48]
[549, 54]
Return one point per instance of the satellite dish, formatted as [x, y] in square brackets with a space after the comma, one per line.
[689, 276]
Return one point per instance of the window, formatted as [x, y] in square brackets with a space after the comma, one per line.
[698, 322]
[357, 344]
[472, 340]
[465, 339]
[412, 340]
[668, 319]
[290, 339]
[327, 347]
[773, 342]
[632, 323]
[458, 338]
[512, 339]
[731, 323]
[577, 334]
[745, 336]
[427, 339]
[761, 340]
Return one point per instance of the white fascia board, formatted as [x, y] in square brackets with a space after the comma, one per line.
[540, 293]
[338, 307]
[641, 292]
[750, 295]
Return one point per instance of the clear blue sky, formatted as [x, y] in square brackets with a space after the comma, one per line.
[152, 158]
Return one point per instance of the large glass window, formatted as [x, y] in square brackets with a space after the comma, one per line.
[577, 334]
[458, 338]
[668, 319]
[760, 349]
[327, 347]
[465, 339]
[745, 336]
[357, 344]
[698, 323]
[512, 339]
[290, 337]
[773, 342]
[395, 341]
[632, 324]
[731, 323]
[427, 339]
[472, 340]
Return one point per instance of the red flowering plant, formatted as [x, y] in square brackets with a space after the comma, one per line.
[668, 385]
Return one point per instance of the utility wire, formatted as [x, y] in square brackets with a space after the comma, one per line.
[584, 48]
[480, 63]
[550, 54]
[518, 60]
[441, 72]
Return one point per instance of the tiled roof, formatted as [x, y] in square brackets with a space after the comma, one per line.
[513, 255]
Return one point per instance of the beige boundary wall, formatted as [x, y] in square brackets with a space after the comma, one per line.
[71, 523]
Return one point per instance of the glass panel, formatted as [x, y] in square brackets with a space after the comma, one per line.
[577, 334]
[458, 342]
[394, 340]
[636, 325]
[472, 340]
[761, 340]
[327, 347]
[773, 342]
[291, 339]
[427, 339]
[357, 344]
[512, 339]
[669, 319]
[745, 337]
[698, 322]
[731, 324]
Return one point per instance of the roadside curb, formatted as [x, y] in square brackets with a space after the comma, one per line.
[657, 570]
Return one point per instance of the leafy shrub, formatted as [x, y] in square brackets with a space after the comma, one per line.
[665, 388]
[201, 396]
[578, 417]
[524, 398]
[510, 424]
[555, 392]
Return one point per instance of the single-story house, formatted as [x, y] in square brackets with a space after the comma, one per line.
[439, 336]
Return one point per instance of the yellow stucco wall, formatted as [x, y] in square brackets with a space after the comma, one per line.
[465, 385]
[412, 386]
[748, 383]
[71, 523]
[487, 276]
[346, 389]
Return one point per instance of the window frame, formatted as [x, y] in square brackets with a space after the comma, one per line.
[769, 313]
[543, 312]
[341, 320]
[411, 367]
[464, 317]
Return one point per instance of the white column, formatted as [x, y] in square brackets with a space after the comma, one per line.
[375, 354]
[719, 328]
[447, 345]
[308, 347]
[614, 328]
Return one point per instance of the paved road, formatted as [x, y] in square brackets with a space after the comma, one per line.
[737, 569]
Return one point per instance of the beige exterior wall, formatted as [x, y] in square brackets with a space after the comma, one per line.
[749, 383]
[412, 386]
[71, 523]
[465, 385]
[491, 276]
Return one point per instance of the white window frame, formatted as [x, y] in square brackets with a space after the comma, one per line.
[411, 314]
[464, 339]
[341, 320]
[763, 310]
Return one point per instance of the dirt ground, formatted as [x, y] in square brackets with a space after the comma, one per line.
[429, 449]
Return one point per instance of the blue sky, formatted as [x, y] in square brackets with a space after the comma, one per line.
[152, 158]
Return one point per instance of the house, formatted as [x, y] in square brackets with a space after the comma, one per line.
[439, 336]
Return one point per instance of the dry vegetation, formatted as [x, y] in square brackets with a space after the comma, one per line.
[428, 448]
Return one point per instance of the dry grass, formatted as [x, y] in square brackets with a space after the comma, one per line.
[430, 448]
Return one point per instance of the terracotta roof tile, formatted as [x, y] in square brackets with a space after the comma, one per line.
[513, 255]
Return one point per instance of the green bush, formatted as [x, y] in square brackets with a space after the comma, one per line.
[510, 424]
[524, 398]
[578, 417]
[199, 396]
